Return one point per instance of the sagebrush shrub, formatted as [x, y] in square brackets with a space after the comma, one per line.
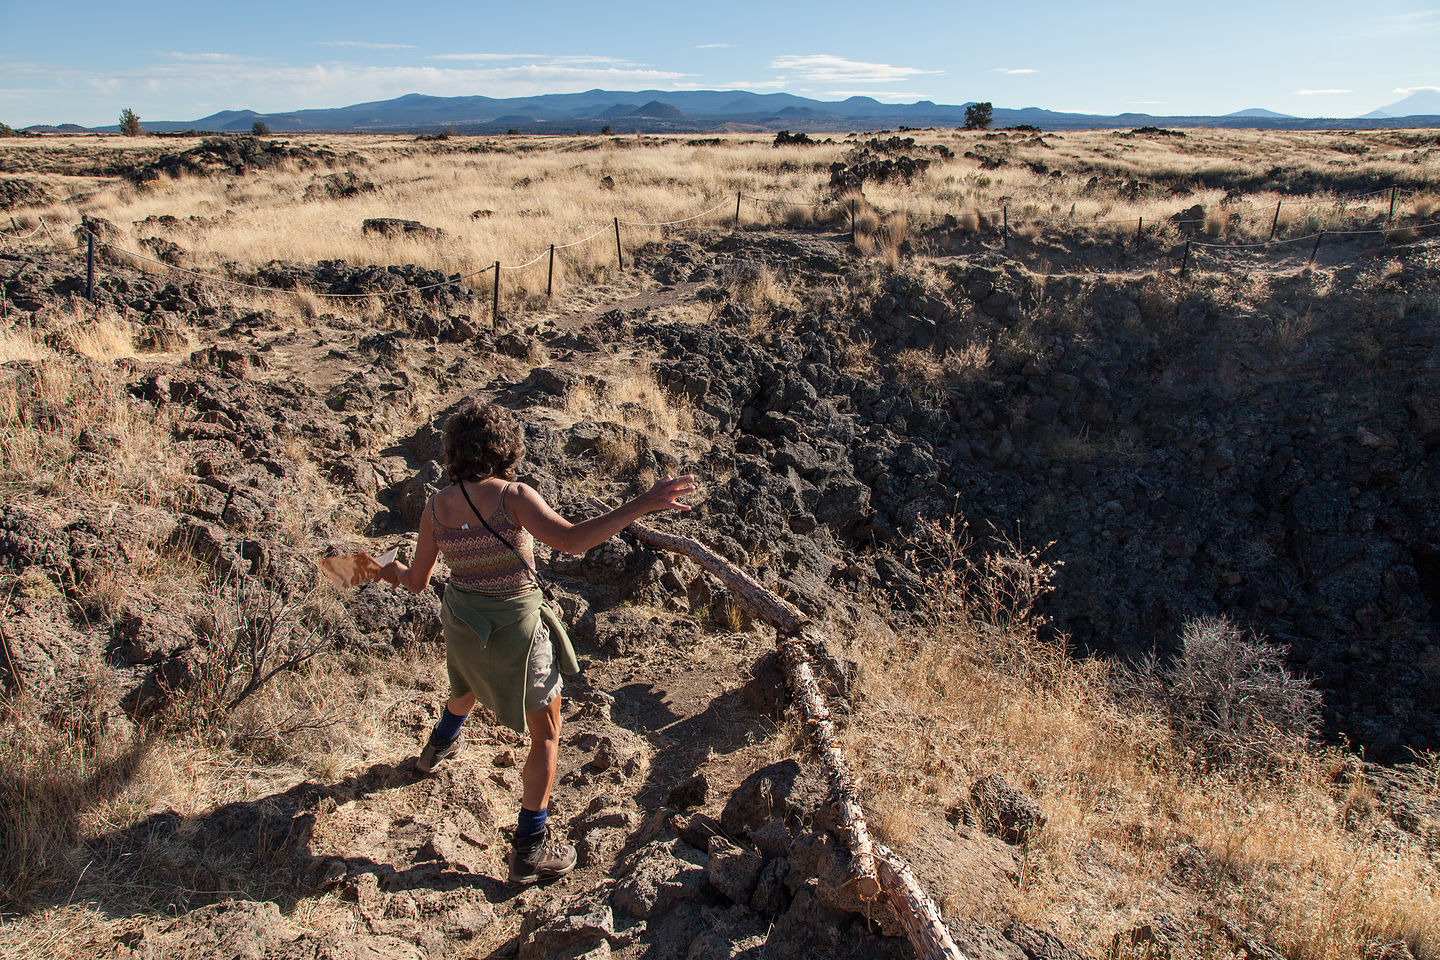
[1229, 693]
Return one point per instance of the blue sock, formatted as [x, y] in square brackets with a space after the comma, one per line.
[448, 725]
[531, 822]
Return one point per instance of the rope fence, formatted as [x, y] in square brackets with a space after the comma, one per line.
[1212, 248]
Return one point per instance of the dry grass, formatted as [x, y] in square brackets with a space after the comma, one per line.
[69, 426]
[971, 362]
[507, 199]
[761, 292]
[974, 689]
[920, 370]
[57, 764]
[634, 398]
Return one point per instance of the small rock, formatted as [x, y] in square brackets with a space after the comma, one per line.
[392, 227]
[661, 873]
[733, 871]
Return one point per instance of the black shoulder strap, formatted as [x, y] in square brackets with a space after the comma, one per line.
[535, 574]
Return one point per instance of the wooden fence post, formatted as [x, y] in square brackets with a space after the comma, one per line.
[550, 275]
[90, 266]
[1391, 217]
[1005, 226]
[619, 257]
[737, 209]
[1139, 226]
[1185, 260]
[495, 298]
[1276, 221]
[852, 219]
[1316, 249]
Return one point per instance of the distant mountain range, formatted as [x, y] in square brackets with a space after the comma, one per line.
[702, 111]
[1420, 102]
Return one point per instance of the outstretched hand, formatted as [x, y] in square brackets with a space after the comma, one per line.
[666, 492]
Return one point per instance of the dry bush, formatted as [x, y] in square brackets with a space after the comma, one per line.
[1228, 694]
[921, 371]
[882, 235]
[255, 634]
[798, 216]
[856, 354]
[972, 686]
[618, 452]
[21, 342]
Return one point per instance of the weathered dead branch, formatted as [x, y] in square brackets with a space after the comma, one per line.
[796, 636]
[821, 730]
[928, 934]
[759, 603]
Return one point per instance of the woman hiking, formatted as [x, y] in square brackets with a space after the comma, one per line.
[504, 643]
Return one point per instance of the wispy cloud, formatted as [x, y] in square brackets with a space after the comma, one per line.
[1415, 21]
[1407, 91]
[778, 84]
[712, 46]
[1306, 92]
[1014, 70]
[483, 57]
[890, 96]
[1148, 103]
[561, 59]
[825, 68]
[271, 85]
[205, 57]
[365, 44]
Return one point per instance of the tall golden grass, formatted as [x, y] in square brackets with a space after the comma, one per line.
[511, 198]
[1289, 848]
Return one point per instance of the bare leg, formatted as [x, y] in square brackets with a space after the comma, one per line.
[461, 706]
[538, 774]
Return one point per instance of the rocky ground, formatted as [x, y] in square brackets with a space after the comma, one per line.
[1260, 442]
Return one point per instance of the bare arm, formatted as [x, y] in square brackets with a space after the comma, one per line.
[530, 510]
[415, 577]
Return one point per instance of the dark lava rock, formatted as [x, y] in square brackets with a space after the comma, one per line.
[392, 227]
[1004, 811]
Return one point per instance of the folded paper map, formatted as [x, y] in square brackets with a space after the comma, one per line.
[354, 569]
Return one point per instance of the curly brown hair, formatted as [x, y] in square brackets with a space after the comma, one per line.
[482, 440]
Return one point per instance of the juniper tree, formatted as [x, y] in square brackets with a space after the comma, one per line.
[979, 116]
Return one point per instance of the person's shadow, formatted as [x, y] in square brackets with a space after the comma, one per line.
[256, 849]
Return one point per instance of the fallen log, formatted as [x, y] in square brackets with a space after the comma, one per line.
[796, 636]
[928, 933]
[754, 599]
[820, 728]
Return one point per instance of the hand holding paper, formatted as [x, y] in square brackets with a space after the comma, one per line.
[354, 569]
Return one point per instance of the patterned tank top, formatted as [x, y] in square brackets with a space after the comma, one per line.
[483, 564]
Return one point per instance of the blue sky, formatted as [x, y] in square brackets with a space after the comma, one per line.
[82, 62]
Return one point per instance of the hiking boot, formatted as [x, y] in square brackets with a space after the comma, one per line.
[437, 752]
[540, 857]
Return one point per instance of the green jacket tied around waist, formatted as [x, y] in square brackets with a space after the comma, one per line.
[488, 640]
